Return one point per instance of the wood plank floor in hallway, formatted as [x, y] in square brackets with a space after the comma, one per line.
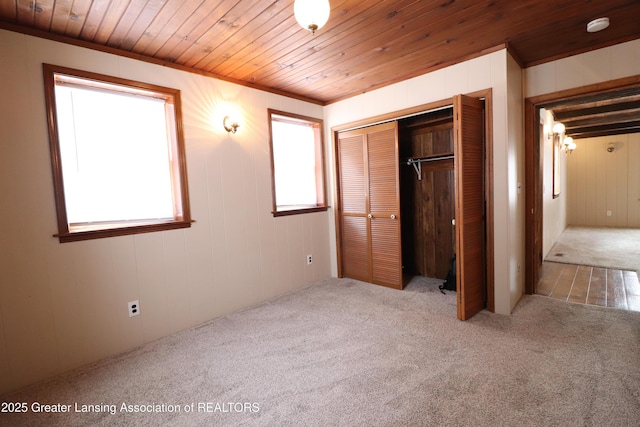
[604, 287]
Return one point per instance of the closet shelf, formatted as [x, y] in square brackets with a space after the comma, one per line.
[416, 162]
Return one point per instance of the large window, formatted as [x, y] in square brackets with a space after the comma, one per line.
[117, 155]
[297, 159]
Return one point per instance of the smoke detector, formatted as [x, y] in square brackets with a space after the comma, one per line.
[597, 25]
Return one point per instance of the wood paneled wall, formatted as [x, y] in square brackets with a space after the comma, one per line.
[63, 306]
[428, 205]
[603, 188]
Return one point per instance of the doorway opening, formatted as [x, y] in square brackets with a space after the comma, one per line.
[590, 113]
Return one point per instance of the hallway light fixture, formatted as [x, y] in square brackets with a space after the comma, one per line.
[565, 142]
[568, 145]
[558, 128]
[312, 14]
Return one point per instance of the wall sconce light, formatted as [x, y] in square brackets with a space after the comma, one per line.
[569, 145]
[611, 147]
[230, 125]
[558, 128]
[312, 14]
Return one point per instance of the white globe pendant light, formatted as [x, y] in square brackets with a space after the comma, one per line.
[311, 14]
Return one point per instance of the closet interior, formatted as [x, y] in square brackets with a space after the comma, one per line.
[427, 193]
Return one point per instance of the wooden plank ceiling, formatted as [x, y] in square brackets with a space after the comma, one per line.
[366, 44]
[607, 113]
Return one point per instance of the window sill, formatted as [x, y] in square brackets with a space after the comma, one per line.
[76, 236]
[301, 210]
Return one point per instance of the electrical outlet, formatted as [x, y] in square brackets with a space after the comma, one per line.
[134, 308]
[309, 259]
[608, 213]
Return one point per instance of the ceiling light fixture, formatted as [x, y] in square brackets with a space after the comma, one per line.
[311, 14]
[597, 25]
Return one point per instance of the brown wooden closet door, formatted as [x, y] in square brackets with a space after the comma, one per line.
[384, 205]
[354, 244]
[369, 211]
[470, 196]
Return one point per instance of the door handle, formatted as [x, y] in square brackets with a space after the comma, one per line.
[392, 216]
[370, 216]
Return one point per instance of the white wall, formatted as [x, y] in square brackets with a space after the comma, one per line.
[554, 210]
[500, 73]
[614, 62]
[65, 305]
[604, 187]
[515, 182]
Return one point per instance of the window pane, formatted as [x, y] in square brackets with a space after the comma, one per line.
[115, 156]
[297, 163]
[294, 164]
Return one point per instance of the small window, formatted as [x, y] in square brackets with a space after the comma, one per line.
[117, 155]
[297, 164]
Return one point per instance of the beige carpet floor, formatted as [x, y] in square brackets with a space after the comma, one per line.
[617, 248]
[347, 353]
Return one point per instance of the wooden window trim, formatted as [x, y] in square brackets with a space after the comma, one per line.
[182, 218]
[318, 125]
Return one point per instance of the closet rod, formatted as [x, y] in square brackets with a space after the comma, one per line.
[417, 162]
